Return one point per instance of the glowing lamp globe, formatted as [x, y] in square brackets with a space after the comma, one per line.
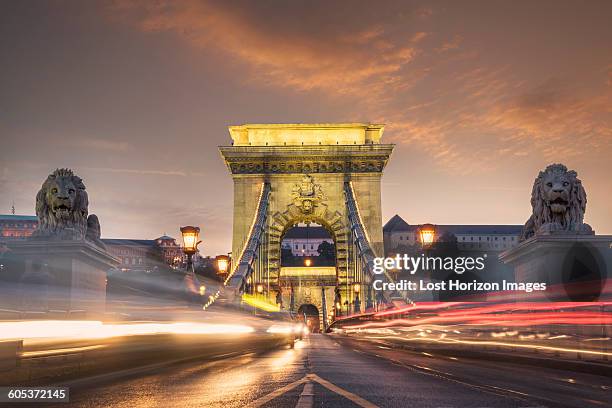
[260, 288]
[307, 262]
[427, 234]
[223, 262]
[356, 288]
[191, 237]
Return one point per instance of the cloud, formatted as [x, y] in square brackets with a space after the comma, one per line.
[439, 89]
[452, 44]
[290, 46]
[101, 144]
[153, 172]
[555, 119]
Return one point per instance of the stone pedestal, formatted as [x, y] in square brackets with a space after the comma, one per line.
[574, 267]
[59, 278]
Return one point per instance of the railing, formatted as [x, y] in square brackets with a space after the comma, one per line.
[362, 242]
[246, 261]
[363, 247]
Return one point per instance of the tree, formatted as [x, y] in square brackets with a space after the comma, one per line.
[327, 250]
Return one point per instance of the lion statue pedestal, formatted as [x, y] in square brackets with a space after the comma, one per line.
[557, 247]
[62, 268]
[67, 278]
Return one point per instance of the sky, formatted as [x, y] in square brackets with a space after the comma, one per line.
[478, 96]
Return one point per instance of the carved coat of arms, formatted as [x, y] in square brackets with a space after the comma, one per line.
[306, 194]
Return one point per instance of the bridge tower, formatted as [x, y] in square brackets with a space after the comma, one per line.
[286, 174]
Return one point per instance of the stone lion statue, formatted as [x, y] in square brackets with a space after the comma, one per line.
[558, 201]
[61, 209]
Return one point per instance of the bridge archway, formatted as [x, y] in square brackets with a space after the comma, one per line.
[310, 313]
[280, 223]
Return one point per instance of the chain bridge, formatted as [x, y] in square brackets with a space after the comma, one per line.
[290, 174]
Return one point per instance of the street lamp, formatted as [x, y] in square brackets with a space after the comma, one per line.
[249, 288]
[338, 301]
[190, 246]
[260, 288]
[223, 263]
[307, 262]
[427, 234]
[357, 302]
[190, 242]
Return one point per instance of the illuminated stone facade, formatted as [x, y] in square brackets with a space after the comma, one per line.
[307, 166]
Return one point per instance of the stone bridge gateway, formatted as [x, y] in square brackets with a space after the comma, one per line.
[287, 174]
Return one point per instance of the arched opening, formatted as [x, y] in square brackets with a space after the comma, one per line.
[310, 314]
[309, 282]
[308, 245]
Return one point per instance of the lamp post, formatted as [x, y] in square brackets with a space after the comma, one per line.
[249, 287]
[190, 246]
[338, 302]
[357, 302]
[427, 234]
[191, 241]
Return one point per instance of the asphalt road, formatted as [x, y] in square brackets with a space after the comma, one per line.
[338, 372]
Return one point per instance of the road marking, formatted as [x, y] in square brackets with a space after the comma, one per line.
[348, 395]
[308, 394]
[266, 398]
[306, 397]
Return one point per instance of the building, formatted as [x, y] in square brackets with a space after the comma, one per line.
[497, 238]
[17, 226]
[133, 253]
[172, 252]
[304, 241]
[145, 254]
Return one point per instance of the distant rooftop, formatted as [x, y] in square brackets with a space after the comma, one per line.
[296, 134]
[121, 241]
[503, 229]
[15, 217]
[165, 237]
[397, 224]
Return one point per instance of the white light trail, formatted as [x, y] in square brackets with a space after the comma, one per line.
[92, 329]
